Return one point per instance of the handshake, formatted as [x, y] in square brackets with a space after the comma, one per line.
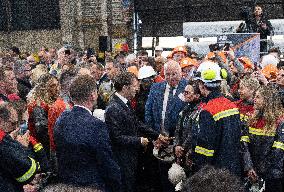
[161, 141]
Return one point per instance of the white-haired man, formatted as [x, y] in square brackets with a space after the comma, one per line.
[163, 107]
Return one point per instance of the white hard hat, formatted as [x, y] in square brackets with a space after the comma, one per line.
[158, 48]
[269, 59]
[210, 73]
[146, 71]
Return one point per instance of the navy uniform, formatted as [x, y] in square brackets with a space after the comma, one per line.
[218, 133]
[218, 140]
[266, 151]
[17, 167]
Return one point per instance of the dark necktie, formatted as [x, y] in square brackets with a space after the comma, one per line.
[129, 105]
[171, 95]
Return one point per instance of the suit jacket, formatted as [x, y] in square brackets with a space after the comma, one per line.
[154, 107]
[125, 133]
[84, 152]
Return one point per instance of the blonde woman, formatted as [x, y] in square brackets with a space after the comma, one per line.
[45, 94]
[266, 139]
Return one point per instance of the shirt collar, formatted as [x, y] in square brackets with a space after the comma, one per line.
[168, 86]
[84, 108]
[123, 99]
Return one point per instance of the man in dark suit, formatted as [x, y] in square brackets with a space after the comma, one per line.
[82, 142]
[127, 133]
[165, 102]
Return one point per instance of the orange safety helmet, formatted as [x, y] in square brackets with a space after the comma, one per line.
[223, 56]
[170, 56]
[179, 49]
[185, 62]
[211, 55]
[270, 71]
[133, 69]
[247, 63]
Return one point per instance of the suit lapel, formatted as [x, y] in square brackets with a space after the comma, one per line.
[161, 98]
[121, 103]
[176, 100]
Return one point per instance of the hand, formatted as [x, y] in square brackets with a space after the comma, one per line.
[30, 188]
[15, 133]
[24, 139]
[262, 79]
[144, 141]
[179, 151]
[252, 175]
[164, 139]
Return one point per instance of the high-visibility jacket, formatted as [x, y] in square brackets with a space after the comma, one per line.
[246, 109]
[219, 132]
[17, 167]
[39, 154]
[266, 150]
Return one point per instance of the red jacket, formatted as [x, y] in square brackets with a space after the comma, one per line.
[53, 113]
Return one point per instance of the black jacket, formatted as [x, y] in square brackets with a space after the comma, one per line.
[125, 133]
[266, 150]
[83, 151]
[219, 134]
[24, 87]
[17, 167]
[185, 124]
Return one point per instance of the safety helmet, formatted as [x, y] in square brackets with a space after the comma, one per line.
[221, 54]
[158, 48]
[270, 71]
[185, 62]
[269, 59]
[170, 55]
[146, 71]
[179, 49]
[210, 73]
[247, 63]
[210, 56]
[133, 69]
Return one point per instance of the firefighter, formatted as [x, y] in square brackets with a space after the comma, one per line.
[17, 167]
[266, 140]
[248, 87]
[216, 140]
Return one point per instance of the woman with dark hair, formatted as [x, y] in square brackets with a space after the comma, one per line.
[265, 140]
[262, 25]
[256, 23]
[188, 114]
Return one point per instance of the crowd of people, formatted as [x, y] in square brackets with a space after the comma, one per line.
[134, 123]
